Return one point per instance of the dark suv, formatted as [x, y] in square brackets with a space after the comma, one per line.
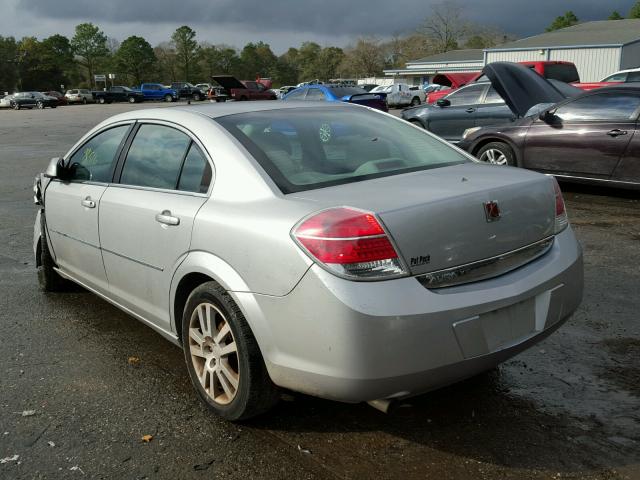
[187, 90]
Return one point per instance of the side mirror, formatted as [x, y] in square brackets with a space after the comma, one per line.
[54, 168]
[443, 102]
[547, 116]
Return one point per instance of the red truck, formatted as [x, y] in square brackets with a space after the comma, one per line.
[232, 88]
[556, 70]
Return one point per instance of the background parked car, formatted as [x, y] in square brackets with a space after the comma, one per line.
[189, 91]
[79, 95]
[338, 93]
[32, 100]
[402, 94]
[62, 100]
[118, 94]
[157, 91]
[448, 82]
[592, 137]
[243, 90]
[5, 101]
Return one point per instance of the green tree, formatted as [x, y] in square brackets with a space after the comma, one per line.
[135, 58]
[308, 54]
[568, 19]
[615, 15]
[287, 67]
[8, 64]
[328, 63]
[258, 60]
[219, 59]
[186, 47]
[90, 44]
[58, 61]
[635, 11]
[167, 64]
[365, 59]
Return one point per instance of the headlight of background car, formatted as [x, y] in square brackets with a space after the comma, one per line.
[469, 131]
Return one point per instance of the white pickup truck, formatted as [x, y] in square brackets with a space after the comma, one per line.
[403, 94]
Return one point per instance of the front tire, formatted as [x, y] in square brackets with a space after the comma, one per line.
[196, 97]
[101, 101]
[48, 278]
[497, 153]
[132, 100]
[168, 98]
[222, 356]
[84, 101]
[415, 101]
[15, 106]
[40, 105]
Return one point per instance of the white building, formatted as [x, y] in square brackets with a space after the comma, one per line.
[423, 70]
[598, 48]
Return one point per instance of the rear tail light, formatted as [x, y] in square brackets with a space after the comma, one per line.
[350, 243]
[561, 213]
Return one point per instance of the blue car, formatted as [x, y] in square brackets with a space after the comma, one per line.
[338, 93]
[157, 91]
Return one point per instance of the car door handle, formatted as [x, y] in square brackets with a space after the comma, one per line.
[166, 218]
[87, 202]
[470, 110]
[616, 132]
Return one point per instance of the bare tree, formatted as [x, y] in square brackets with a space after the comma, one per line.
[445, 27]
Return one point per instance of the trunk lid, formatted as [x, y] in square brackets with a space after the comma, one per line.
[228, 82]
[437, 217]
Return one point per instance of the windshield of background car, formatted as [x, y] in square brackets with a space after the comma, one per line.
[564, 72]
[308, 148]
[344, 91]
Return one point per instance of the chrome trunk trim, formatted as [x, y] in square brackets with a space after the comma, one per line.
[487, 268]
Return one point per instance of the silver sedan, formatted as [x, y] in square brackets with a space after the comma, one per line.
[332, 250]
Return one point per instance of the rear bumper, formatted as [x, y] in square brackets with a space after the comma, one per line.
[359, 341]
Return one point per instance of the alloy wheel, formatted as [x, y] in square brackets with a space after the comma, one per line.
[214, 353]
[494, 156]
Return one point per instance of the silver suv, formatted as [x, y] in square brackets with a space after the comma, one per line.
[79, 95]
[328, 249]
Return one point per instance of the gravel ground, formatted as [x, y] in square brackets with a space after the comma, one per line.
[73, 403]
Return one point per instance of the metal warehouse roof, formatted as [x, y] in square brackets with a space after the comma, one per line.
[600, 33]
[468, 55]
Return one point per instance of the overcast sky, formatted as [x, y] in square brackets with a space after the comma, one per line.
[281, 23]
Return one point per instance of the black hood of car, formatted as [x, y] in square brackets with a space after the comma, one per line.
[520, 87]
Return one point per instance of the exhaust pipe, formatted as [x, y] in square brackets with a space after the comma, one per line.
[383, 404]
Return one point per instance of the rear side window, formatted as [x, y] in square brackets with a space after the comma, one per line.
[155, 157]
[616, 77]
[604, 106]
[314, 94]
[633, 77]
[196, 172]
[94, 160]
[561, 71]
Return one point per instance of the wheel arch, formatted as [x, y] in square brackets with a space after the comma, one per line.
[198, 268]
[497, 139]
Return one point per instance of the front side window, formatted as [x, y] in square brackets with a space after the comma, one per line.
[307, 148]
[155, 157]
[604, 106]
[633, 77]
[95, 159]
[466, 96]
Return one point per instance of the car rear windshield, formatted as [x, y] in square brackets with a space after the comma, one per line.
[562, 71]
[308, 148]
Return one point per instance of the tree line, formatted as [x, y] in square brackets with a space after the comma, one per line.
[48, 64]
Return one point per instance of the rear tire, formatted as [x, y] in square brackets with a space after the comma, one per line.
[84, 101]
[40, 105]
[196, 97]
[101, 101]
[415, 101]
[132, 100]
[48, 278]
[168, 98]
[497, 153]
[15, 106]
[235, 385]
